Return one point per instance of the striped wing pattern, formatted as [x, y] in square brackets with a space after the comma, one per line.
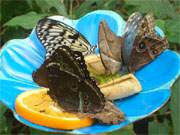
[53, 34]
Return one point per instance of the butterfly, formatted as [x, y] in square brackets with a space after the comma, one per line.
[67, 77]
[70, 83]
[110, 48]
[53, 33]
[138, 46]
[71, 86]
[141, 43]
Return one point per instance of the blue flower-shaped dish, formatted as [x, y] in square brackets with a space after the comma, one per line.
[20, 57]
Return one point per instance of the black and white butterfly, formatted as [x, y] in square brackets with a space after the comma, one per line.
[53, 33]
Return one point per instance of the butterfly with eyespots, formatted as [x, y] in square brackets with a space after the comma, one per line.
[136, 48]
[142, 45]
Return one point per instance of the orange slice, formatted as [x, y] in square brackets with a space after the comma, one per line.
[37, 107]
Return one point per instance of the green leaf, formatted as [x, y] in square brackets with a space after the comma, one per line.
[27, 21]
[160, 23]
[159, 128]
[3, 109]
[173, 24]
[175, 107]
[14, 33]
[128, 130]
[174, 37]
[161, 8]
[49, 5]
[85, 7]
[5, 127]
[39, 132]
[90, 5]
[30, 3]
[176, 4]
[110, 4]
[11, 8]
[164, 109]
[173, 30]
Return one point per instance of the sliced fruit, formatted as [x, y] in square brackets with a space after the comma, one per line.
[94, 64]
[121, 87]
[37, 107]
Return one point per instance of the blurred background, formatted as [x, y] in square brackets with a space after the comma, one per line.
[18, 17]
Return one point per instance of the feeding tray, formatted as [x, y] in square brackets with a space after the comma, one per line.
[20, 57]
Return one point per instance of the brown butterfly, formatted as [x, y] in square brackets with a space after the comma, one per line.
[143, 43]
[110, 48]
[137, 47]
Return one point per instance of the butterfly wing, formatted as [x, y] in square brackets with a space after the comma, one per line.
[67, 77]
[129, 36]
[40, 75]
[110, 48]
[74, 91]
[61, 58]
[146, 26]
[53, 34]
[147, 45]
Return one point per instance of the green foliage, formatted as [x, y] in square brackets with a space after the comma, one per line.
[5, 126]
[86, 7]
[9, 125]
[39, 132]
[51, 6]
[128, 130]
[160, 23]
[159, 128]
[18, 17]
[173, 29]
[91, 5]
[26, 15]
[26, 21]
[175, 107]
[161, 123]
[166, 11]
[161, 8]
[8, 9]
